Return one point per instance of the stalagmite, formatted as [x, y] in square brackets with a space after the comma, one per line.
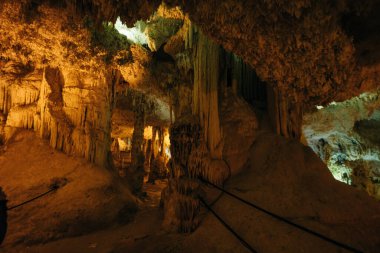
[181, 204]
[136, 170]
[148, 153]
[152, 169]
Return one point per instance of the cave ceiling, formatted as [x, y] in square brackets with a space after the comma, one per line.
[311, 50]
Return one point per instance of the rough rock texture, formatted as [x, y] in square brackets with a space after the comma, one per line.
[214, 105]
[163, 25]
[288, 179]
[345, 136]
[99, 10]
[300, 48]
[59, 84]
[240, 124]
[54, 83]
[180, 198]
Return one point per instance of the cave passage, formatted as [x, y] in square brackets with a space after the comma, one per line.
[189, 126]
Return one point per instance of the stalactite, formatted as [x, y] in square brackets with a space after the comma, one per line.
[16, 92]
[66, 116]
[287, 115]
[158, 168]
[205, 93]
[22, 116]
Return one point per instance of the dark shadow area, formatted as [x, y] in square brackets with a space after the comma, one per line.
[363, 24]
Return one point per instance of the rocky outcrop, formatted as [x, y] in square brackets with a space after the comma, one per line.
[163, 25]
[54, 83]
[344, 135]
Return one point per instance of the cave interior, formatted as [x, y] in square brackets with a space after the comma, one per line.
[189, 126]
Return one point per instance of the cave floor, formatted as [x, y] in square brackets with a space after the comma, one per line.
[146, 226]
[281, 175]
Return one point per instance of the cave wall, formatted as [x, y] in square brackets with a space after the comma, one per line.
[344, 135]
[52, 81]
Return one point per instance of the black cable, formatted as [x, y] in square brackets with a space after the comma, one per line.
[53, 188]
[242, 241]
[345, 246]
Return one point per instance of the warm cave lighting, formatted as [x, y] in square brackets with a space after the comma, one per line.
[134, 34]
[189, 126]
[124, 144]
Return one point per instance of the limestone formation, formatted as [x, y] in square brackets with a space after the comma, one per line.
[180, 197]
[150, 97]
[344, 135]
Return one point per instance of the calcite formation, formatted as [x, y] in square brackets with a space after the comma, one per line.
[57, 87]
[157, 166]
[180, 198]
[201, 153]
[209, 70]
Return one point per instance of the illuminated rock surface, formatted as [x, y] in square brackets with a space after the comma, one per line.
[222, 91]
[345, 136]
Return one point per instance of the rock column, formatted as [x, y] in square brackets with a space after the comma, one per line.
[180, 198]
[137, 154]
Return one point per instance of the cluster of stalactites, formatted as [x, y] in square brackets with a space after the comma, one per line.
[55, 122]
[39, 101]
[155, 155]
[136, 101]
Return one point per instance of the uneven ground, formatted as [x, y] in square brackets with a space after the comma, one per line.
[282, 176]
[91, 199]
